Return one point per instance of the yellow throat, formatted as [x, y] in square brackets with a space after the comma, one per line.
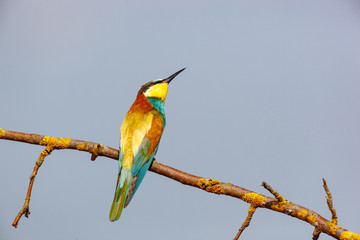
[157, 91]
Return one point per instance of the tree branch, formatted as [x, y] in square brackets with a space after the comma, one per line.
[209, 185]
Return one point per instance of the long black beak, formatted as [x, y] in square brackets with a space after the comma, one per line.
[168, 80]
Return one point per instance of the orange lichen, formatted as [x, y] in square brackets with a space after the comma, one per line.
[48, 141]
[63, 143]
[82, 147]
[279, 206]
[348, 235]
[210, 185]
[255, 199]
[55, 143]
[280, 198]
[87, 148]
[2, 132]
[251, 209]
[46, 152]
[333, 228]
[302, 214]
[312, 219]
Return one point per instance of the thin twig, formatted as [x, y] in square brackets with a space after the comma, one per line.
[25, 209]
[246, 223]
[329, 201]
[51, 143]
[316, 234]
[273, 192]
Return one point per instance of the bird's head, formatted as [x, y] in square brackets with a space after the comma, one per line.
[158, 88]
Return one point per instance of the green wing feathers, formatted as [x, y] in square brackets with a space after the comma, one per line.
[122, 189]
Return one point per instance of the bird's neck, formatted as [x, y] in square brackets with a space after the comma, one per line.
[158, 104]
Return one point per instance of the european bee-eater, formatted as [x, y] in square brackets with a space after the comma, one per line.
[141, 131]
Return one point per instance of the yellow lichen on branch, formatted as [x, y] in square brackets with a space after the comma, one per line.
[348, 235]
[332, 227]
[2, 132]
[85, 147]
[302, 214]
[251, 209]
[255, 199]
[56, 143]
[94, 149]
[210, 185]
[47, 151]
[312, 219]
[280, 206]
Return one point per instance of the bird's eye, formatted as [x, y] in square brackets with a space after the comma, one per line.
[146, 87]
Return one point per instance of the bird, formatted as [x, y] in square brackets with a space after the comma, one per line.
[140, 135]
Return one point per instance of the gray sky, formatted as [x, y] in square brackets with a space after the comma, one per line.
[271, 93]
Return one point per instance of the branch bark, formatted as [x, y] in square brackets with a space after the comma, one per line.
[278, 204]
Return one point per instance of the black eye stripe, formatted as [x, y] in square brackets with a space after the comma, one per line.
[147, 86]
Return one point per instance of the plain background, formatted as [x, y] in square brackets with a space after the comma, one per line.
[270, 93]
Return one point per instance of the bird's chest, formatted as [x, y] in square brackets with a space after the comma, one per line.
[133, 130]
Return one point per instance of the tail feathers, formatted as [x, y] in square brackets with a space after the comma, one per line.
[122, 189]
[132, 190]
[136, 180]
